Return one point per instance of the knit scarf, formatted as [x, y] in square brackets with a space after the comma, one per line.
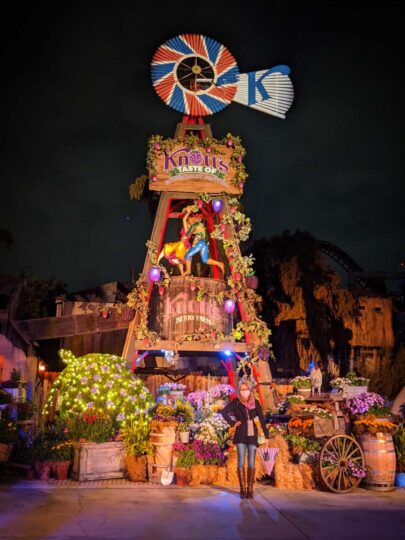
[250, 403]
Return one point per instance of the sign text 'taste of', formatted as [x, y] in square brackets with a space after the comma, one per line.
[189, 170]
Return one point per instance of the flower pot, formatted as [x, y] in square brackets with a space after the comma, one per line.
[185, 437]
[101, 461]
[352, 391]
[177, 394]
[43, 470]
[61, 469]
[182, 476]
[304, 392]
[136, 467]
[5, 451]
[302, 457]
[400, 480]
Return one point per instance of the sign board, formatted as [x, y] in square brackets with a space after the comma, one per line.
[195, 170]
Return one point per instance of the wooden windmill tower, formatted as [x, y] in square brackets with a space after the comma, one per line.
[196, 294]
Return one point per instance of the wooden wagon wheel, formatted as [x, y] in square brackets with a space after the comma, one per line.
[338, 456]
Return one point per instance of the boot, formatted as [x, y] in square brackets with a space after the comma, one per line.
[250, 482]
[242, 482]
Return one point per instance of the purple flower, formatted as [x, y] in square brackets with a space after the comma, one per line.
[220, 391]
[109, 384]
[196, 399]
[94, 390]
[362, 403]
[121, 417]
[84, 380]
[89, 405]
[96, 377]
[104, 368]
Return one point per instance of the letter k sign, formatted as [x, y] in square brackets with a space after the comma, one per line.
[269, 91]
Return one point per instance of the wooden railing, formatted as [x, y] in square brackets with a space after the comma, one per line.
[70, 325]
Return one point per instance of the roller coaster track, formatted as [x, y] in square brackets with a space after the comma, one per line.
[372, 282]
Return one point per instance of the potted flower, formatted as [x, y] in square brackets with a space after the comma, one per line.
[96, 395]
[302, 385]
[25, 412]
[137, 448]
[61, 456]
[304, 449]
[399, 444]
[351, 385]
[186, 459]
[8, 437]
[209, 458]
[296, 399]
[368, 403]
[220, 394]
[99, 454]
[183, 430]
[14, 386]
[170, 391]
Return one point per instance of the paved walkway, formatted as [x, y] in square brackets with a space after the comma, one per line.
[36, 510]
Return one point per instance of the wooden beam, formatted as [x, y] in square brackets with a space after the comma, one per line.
[193, 346]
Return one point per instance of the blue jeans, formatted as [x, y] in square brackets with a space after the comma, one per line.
[200, 247]
[241, 449]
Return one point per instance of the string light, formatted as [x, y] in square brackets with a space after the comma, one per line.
[99, 382]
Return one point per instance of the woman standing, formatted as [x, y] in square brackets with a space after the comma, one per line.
[242, 412]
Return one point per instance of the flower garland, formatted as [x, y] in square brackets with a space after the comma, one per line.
[138, 301]
[241, 266]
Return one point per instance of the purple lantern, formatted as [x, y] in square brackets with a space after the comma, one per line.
[217, 205]
[154, 274]
[229, 306]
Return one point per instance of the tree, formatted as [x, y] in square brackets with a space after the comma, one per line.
[38, 298]
[303, 300]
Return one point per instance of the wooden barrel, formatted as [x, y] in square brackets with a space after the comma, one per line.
[379, 456]
[178, 312]
[162, 451]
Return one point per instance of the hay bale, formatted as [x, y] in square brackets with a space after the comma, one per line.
[203, 474]
[288, 475]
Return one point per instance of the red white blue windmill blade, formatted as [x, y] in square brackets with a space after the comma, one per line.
[198, 76]
[194, 75]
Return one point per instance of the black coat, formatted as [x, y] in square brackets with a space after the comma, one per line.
[235, 411]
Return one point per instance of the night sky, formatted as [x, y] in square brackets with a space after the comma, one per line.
[78, 106]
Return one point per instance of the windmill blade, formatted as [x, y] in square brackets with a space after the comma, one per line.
[270, 90]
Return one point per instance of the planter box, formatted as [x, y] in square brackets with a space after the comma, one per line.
[352, 391]
[102, 461]
[304, 392]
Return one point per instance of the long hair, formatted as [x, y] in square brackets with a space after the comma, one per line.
[250, 403]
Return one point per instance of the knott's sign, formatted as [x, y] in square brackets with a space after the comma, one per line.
[194, 170]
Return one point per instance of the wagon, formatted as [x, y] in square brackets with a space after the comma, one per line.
[340, 455]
